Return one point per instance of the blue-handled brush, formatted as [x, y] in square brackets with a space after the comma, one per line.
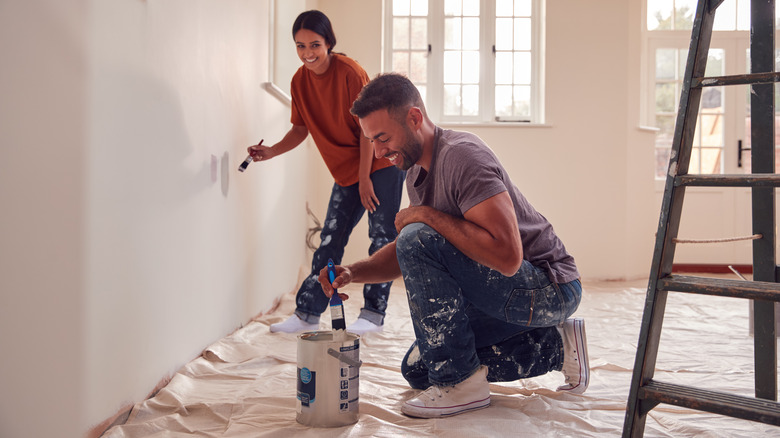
[336, 305]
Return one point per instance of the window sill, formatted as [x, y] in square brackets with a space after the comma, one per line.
[277, 92]
[461, 125]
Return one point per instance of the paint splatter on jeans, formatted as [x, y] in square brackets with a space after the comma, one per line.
[344, 213]
[465, 314]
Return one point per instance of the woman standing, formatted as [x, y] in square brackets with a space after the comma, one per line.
[323, 91]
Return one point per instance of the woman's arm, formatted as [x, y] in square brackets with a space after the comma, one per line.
[295, 136]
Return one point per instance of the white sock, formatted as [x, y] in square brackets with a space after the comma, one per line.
[361, 326]
[294, 324]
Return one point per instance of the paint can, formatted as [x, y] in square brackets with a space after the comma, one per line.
[328, 378]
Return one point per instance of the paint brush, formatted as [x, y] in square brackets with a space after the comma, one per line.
[248, 160]
[336, 305]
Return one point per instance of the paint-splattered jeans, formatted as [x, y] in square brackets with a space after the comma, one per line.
[344, 212]
[465, 314]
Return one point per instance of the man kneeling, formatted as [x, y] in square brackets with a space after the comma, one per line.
[490, 285]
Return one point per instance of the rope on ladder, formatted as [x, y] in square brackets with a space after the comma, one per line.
[728, 239]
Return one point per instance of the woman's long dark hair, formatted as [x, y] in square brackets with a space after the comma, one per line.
[318, 23]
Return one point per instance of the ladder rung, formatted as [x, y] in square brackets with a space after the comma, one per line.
[755, 290]
[747, 180]
[748, 408]
[752, 78]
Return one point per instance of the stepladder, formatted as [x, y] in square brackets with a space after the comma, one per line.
[763, 289]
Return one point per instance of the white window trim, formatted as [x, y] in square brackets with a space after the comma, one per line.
[487, 69]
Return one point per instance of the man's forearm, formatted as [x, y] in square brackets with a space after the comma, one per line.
[380, 267]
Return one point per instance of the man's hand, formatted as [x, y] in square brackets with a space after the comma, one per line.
[343, 278]
[410, 215]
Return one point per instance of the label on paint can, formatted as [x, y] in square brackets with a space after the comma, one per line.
[307, 386]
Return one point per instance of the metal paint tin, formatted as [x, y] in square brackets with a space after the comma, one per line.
[328, 379]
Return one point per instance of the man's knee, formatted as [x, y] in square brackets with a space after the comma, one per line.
[415, 236]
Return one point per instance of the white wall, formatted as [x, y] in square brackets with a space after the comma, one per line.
[129, 241]
[590, 172]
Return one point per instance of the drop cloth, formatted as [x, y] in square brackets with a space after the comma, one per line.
[245, 384]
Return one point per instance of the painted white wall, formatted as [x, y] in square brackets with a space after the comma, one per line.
[590, 170]
[130, 241]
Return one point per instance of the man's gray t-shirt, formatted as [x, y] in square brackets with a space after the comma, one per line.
[464, 171]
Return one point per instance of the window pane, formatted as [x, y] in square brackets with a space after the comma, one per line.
[711, 162]
[401, 7]
[470, 100]
[712, 130]
[471, 33]
[665, 97]
[523, 8]
[451, 8]
[714, 63]
[419, 38]
[665, 63]
[659, 14]
[504, 8]
[470, 67]
[452, 100]
[471, 8]
[452, 29]
[503, 101]
[682, 61]
[743, 14]
[662, 162]
[726, 16]
[665, 135]
[695, 165]
[503, 68]
[401, 62]
[522, 34]
[712, 99]
[503, 34]
[684, 11]
[451, 67]
[522, 68]
[522, 101]
[400, 33]
[418, 71]
[419, 8]
[423, 92]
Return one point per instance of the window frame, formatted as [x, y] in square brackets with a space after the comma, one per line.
[434, 95]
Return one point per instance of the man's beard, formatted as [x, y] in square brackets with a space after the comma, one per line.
[410, 152]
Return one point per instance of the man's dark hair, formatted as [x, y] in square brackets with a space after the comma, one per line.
[318, 23]
[391, 91]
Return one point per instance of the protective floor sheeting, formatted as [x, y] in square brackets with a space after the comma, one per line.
[245, 384]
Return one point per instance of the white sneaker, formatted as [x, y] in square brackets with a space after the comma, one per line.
[294, 324]
[468, 395]
[575, 356]
[361, 326]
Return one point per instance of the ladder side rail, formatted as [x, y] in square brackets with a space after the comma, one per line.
[762, 114]
[655, 302]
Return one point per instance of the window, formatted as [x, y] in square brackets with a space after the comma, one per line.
[724, 115]
[473, 61]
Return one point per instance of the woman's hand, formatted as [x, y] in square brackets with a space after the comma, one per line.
[367, 196]
[260, 152]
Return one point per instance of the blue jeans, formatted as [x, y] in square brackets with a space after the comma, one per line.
[465, 314]
[344, 212]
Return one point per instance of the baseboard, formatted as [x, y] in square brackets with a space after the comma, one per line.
[711, 268]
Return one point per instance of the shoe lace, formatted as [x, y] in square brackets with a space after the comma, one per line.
[434, 389]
